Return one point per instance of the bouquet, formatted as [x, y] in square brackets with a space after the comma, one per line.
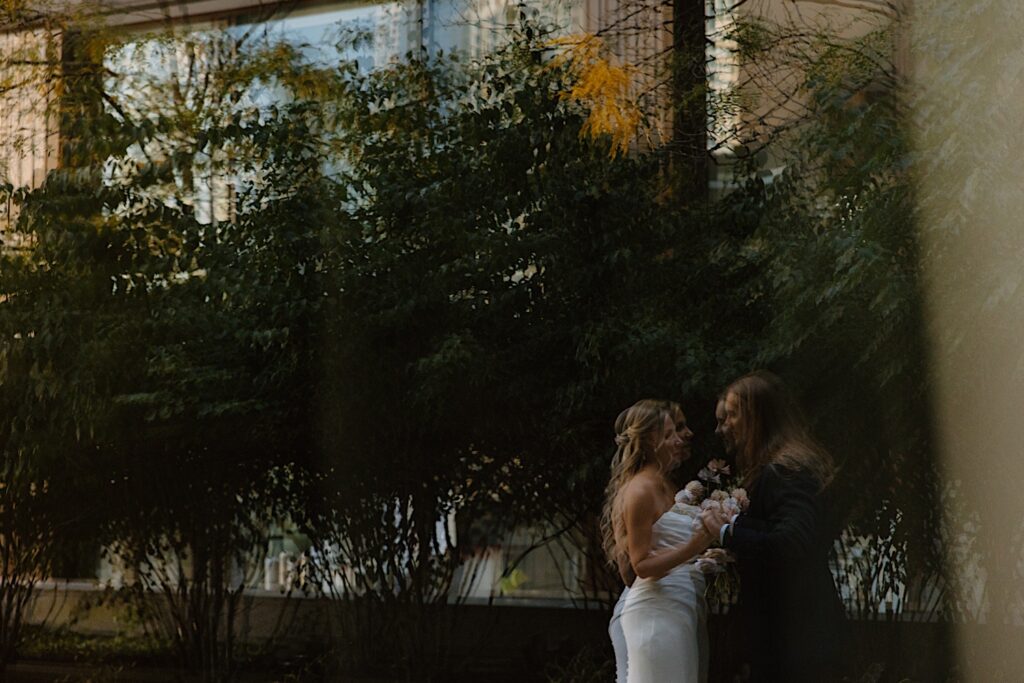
[713, 490]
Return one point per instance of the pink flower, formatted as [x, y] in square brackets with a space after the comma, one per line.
[714, 561]
[719, 555]
[719, 466]
[711, 504]
[714, 471]
[691, 494]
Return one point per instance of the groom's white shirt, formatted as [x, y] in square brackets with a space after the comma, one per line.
[725, 527]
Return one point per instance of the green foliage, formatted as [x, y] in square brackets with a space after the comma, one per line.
[66, 645]
[505, 289]
[588, 664]
[835, 246]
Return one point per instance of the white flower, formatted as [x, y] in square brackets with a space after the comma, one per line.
[691, 494]
[708, 567]
[707, 475]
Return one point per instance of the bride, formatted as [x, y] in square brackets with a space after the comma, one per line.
[663, 615]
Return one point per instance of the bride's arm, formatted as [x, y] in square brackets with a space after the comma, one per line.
[641, 512]
[626, 572]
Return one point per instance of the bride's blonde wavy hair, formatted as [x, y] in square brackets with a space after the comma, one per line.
[637, 433]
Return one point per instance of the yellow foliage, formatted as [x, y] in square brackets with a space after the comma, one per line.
[13, 8]
[603, 87]
[512, 582]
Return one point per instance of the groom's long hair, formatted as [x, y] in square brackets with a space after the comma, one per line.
[636, 431]
[776, 431]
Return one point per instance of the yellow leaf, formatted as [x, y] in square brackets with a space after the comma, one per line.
[603, 87]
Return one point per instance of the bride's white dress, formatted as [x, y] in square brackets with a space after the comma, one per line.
[664, 620]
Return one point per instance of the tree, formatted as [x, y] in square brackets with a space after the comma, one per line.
[180, 379]
[505, 287]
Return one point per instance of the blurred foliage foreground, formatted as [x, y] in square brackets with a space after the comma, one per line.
[262, 290]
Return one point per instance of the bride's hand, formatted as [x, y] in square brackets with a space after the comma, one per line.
[713, 521]
[702, 535]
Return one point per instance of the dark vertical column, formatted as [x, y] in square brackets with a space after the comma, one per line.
[689, 85]
[80, 108]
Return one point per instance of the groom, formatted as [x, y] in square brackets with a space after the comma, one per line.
[789, 609]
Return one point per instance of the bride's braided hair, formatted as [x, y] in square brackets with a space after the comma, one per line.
[636, 432]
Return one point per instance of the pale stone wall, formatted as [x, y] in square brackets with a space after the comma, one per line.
[773, 83]
[28, 127]
[764, 95]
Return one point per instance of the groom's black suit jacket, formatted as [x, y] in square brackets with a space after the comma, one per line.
[791, 614]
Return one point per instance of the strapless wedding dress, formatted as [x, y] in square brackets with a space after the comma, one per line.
[618, 638]
[665, 620]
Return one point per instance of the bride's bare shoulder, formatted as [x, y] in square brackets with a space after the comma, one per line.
[641, 487]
